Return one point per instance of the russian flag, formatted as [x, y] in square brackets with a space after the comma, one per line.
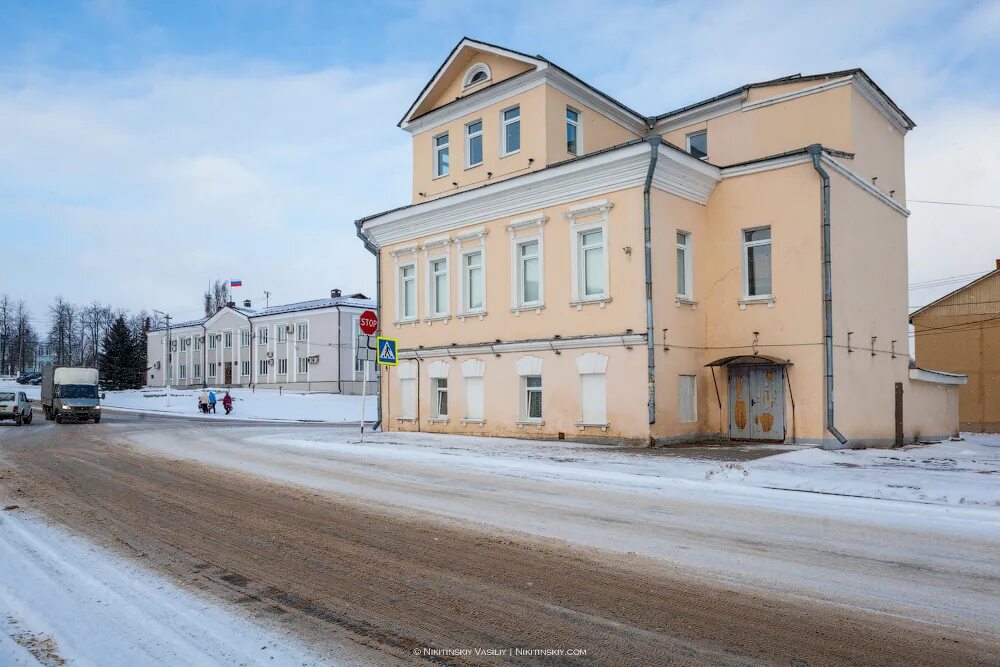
[236, 283]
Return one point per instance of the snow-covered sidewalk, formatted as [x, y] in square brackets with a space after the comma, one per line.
[64, 599]
[260, 405]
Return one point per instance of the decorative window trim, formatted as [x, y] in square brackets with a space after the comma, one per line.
[462, 275]
[439, 313]
[438, 370]
[592, 363]
[529, 366]
[585, 218]
[406, 250]
[473, 368]
[472, 72]
[407, 370]
[401, 315]
[526, 230]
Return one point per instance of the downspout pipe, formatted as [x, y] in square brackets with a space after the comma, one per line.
[816, 151]
[373, 249]
[647, 229]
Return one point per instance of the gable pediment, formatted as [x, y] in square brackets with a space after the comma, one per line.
[471, 67]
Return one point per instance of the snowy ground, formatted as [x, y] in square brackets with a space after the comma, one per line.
[55, 590]
[914, 532]
[259, 405]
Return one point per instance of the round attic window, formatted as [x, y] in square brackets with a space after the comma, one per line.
[477, 74]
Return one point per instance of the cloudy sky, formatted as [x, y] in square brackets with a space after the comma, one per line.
[149, 147]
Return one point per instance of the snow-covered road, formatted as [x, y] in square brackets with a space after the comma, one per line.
[931, 554]
[63, 599]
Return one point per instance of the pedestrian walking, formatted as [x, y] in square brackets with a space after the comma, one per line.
[211, 401]
[227, 403]
[203, 402]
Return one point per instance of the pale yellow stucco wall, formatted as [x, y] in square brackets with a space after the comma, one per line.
[878, 147]
[930, 410]
[598, 131]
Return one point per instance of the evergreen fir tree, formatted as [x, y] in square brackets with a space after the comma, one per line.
[123, 362]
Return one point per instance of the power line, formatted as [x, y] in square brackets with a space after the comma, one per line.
[952, 203]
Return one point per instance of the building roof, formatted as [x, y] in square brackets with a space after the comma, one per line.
[350, 301]
[954, 292]
[649, 120]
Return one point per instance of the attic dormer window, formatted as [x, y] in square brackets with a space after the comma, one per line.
[477, 74]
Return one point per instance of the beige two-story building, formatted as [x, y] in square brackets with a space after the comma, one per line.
[569, 267]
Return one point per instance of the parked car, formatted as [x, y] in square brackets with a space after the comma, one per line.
[15, 405]
[26, 378]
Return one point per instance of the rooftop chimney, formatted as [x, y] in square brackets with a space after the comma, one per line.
[335, 293]
[231, 304]
[246, 303]
[998, 263]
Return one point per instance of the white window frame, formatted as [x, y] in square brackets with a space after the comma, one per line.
[185, 341]
[503, 130]
[244, 338]
[434, 309]
[401, 314]
[262, 335]
[519, 262]
[197, 371]
[227, 340]
[262, 371]
[529, 367]
[745, 247]
[467, 81]
[687, 143]
[465, 282]
[280, 334]
[526, 391]
[578, 124]
[436, 392]
[245, 368]
[685, 248]
[584, 218]
[299, 337]
[435, 150]
[211, 370]
[182, 372]
[197, 343]
[469, 136]
[359, 365]
[282, 366]
[213, 342]
[303, 365]
[681, 417]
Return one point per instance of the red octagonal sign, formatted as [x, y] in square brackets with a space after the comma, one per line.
[368, 322]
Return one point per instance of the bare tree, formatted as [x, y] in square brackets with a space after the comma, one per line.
[6, 322]
[216, 297]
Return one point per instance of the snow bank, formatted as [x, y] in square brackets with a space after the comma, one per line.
[262, 404]
[63, 598]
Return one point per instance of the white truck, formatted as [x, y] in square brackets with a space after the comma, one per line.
[70, 393]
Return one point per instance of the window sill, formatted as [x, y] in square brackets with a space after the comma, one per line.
[473, 166]
[464, 316]
[503, 155]
[437, 318]
[685, 301]
[406, 419]
[474, 422]
[538, 308]
[601, 302]
[603, 426]
[439, 177]
[749, 301]
[521, 423]
[413, 321]
[438, 420]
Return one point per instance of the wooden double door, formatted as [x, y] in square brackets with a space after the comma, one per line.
[757, 402]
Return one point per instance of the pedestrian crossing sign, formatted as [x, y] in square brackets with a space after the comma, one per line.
[387, 351]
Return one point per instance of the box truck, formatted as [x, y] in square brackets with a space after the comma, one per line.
[69, 393]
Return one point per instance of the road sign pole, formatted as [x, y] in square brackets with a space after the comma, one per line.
[364, 394]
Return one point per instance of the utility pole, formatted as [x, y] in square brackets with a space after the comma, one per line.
[267, 298]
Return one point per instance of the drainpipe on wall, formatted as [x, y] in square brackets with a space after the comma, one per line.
[378, 308]
[654, 153]
[816, 151]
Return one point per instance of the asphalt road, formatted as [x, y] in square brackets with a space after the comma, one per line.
[405, 586]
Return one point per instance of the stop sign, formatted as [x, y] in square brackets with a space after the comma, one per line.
[368, 322]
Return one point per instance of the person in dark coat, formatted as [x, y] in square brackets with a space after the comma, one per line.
[227, 403]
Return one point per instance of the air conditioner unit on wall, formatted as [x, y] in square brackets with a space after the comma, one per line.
[270, 362]
[289, 329]
[270, 355]
[156, 364]
[314, 359]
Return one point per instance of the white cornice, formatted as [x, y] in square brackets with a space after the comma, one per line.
[594, 100]
[766, 165]
[676, 173]
[624, 340]
[536, 220]
[938, 377]
[701, 113]
[879, 101]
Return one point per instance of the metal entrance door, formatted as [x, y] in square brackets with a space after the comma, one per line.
[757, 402]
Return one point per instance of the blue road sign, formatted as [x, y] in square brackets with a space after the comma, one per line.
[387, 351]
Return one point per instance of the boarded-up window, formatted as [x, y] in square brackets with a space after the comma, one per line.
[473, 398]
[687, 410]
[593, 398]
[408, 390]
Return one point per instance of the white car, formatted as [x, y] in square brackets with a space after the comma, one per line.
[15, 405]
